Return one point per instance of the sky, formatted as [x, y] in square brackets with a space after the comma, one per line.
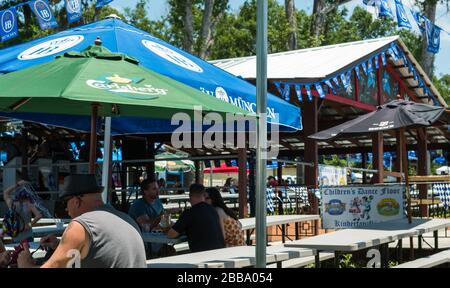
[158, 8]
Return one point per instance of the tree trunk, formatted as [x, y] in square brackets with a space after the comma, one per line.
[206, 36]
[318, 18]
[292, 19]
[320, 10]
[188, 27]
[429, 11]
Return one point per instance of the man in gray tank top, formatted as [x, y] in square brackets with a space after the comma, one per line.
[99, 236]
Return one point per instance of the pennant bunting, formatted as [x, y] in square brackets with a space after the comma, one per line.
[363, 65]
[357, 72]
[101, 3]
[278, 85]
[402, 19]
[336, 81]
[377, 64]
[286, 92]
[298, 91]
[344, 81]
[308, 92]
[73, 9]
[8, 24]
[328, 82]
[320, 90]
[385, 9]
[43, 13]
[433, 33]
[383, 58]
[369, 66]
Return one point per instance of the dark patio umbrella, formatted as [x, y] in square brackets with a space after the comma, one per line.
[397, 114]
[393, 115]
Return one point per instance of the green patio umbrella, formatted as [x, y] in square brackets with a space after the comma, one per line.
[71, 82]
[98, 82]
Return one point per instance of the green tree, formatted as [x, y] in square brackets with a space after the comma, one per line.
[443, 86]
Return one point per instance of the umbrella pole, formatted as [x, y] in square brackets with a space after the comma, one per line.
[261, 133]
[405, 171]
[106, 171]
[93, 139]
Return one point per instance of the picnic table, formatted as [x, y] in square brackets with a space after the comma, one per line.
[161, 238]
[232, 257]
[41, 231]
[380, 234]
[249, 224]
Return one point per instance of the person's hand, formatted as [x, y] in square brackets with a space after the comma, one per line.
[156, 221]
[25, 260]
[49, 241]
[5, 258]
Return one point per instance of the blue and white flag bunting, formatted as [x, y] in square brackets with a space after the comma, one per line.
[44, 14]
[377, 65]
[363, 65]
[328, 82]
[402, 19]
[73, 9]
[278, 85]
[286, 92]
[385, 10]
[101, 3]
[357, 72]
[298, 91]
[433, 36]
[336, 81]
[8, 24]
[344, 80]
[383, 58]
[308, 92]
[320, 90]
[346, 76]
[369, 66]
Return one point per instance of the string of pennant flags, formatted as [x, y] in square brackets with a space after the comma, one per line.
[426, 26]
[343, 79]
[43, 13]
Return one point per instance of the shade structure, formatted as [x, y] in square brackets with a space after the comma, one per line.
[397, 114]
[393, 115]
[153, 53]
[72, 82]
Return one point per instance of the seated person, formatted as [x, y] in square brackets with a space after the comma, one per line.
[201, 223]
[23, 212]
[147, 210]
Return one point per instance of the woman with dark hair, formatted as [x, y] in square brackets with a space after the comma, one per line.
[229, 222]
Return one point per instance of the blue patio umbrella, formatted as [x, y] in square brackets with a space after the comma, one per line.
[153, 53]
[439, 160]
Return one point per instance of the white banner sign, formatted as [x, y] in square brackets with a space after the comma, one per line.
[332, 175]
[354, 206]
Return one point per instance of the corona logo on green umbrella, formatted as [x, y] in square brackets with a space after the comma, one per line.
[127, 87]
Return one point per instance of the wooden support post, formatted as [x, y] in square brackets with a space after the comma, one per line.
[93, 139]
[364, 166]
[422, 168]
[311, 116]
[151, 152]
[242, 182]
[377, 157]
[197, 172]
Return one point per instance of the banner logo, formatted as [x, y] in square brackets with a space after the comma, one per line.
[73, 6]
[222, 94]
[7, 21]
[50, 47]
[43, 10]
[172, 56]
[127, 87]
